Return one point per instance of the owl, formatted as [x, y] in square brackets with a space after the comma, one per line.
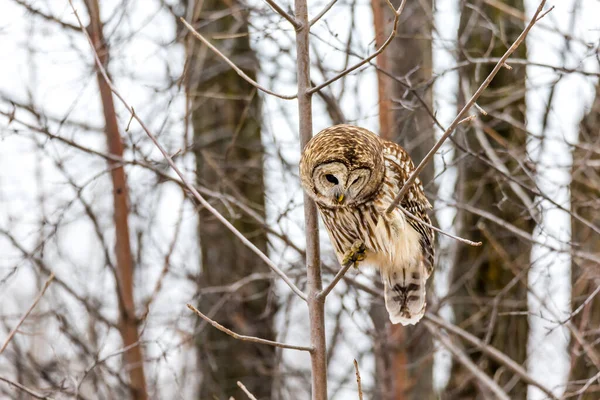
[353, 176]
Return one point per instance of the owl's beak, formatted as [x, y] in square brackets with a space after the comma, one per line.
[340, 198]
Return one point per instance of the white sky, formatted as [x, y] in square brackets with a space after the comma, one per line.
[62, 84]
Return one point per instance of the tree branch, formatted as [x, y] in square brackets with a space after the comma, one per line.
[466, 361]
[536, 17]
[247, 338]
[488, 350]
[185, 181]
[233, 66]
[316, 304]
[285, 15]
[30, 392]
[128, 322]
[245, 390]
[323, 12]
[458, 238]
[24, 317]
[360, 393]
[397, 13]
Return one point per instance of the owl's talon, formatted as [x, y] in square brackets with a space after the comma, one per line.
[356, 253]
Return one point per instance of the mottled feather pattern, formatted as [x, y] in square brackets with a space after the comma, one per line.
[401, 166]
[400, 247]
[363, 218]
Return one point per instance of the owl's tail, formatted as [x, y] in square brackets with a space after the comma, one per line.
[405, 293]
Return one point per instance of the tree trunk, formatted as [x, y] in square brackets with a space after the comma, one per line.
[585, 192]
[484, 274]
[404, 365]
[128, 323]
[226, 120]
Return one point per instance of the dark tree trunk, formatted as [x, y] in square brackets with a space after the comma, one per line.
[585, 195]
[226, 120]
[404, 365]
[481, 274]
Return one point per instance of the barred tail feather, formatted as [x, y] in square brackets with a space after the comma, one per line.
[405, 294]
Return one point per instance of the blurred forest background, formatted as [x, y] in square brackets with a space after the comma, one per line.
[102, 245]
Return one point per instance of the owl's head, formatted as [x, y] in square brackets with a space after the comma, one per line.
[342, 166]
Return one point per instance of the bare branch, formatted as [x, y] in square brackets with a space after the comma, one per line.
[250, 395]
[185, 181]
[360, 393]
[233, 66]
[47, 17]
[345, 72]
[247, 338]
[26, 390]
[495, 159]
[466, 108]
[466, 361]
[316, 304]
[458, 238]
[336, 279]
[488, 350]
[24, 317]
[285, 15]
[584, 388]
[323, 12]
[124, 272]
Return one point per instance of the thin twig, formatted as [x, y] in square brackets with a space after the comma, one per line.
[285, 15]
[47, 17]
[323, 12]
[466, 108]
[24, 317]
[360, 393]
[466, 361]
[581, 306]
[100, 361]
[247, 338]
[26, 390]
[185, 181]
[130, 119]
[336, 279]
[345, 72]
[467, 119]
[412, 216]
[584, 388]
[495, 159]
[232, 64]
[250, 395]
[480, 109]
[489, 351]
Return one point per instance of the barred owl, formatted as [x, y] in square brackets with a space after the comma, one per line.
[353, 176]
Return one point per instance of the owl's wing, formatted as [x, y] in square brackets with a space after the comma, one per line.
[399, 166]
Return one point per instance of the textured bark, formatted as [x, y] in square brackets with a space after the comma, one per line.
[482, 273]
[316, 303]
[226, 120]
[404, 365]
[585, 192]
[128, 324]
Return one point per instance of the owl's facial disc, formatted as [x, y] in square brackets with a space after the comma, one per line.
[357, 180]
[336, 186]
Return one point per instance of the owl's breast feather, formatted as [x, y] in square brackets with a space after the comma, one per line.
[398, 243]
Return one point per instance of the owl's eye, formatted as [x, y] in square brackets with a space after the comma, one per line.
[332, 179]
[354, 181]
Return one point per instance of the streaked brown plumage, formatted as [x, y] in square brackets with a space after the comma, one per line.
[353, 175]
